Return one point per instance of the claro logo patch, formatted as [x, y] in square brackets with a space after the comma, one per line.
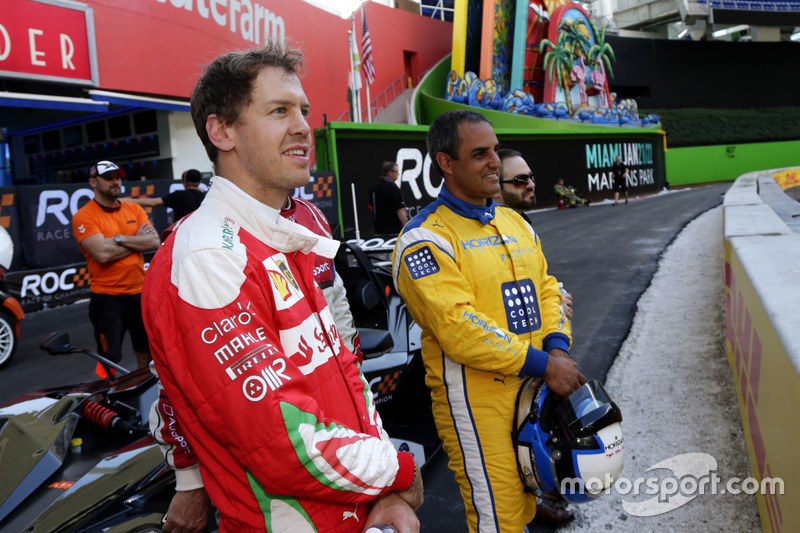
[421, 263]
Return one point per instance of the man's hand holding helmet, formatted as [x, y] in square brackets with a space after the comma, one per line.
[562, 374]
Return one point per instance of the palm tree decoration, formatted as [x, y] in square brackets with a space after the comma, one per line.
[600, 55]
[578, 40]
[558, 61]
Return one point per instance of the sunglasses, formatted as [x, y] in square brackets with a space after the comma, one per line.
[521, 179]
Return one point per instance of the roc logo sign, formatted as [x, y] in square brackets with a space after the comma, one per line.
[56, 286]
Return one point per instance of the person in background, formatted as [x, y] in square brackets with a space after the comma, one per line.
[518, 191]
[113, 236]
[386, 202]
[620, 172]
[182, 202]
[569, 195]
[242, 338]
[474, 277]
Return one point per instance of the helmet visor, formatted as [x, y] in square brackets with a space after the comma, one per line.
[588, 410]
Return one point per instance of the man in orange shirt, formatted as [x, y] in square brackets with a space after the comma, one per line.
[113, 236]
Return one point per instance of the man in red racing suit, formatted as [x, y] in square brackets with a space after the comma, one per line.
[192, 508]
[285, 428]
[281, 419]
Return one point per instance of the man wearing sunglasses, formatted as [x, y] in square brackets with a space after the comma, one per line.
[474, 277]
[517, 184]
[518, 191]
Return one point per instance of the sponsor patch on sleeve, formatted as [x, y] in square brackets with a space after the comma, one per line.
[421, 263]
[285, 288]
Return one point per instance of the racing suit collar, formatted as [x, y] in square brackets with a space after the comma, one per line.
[484, 214]
[266, 223]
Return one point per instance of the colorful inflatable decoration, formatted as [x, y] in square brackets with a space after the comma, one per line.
[497, 41]
[538, 20]
[564, 63]
[577, 59]
[518, 101]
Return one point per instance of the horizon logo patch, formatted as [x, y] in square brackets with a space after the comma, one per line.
[421, 263]
[522, 306]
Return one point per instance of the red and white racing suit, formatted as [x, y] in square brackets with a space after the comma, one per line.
[165, 428]
[280, 416]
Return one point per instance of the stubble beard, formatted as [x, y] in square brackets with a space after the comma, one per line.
[518, 201]
[269, 179]
[111, 195]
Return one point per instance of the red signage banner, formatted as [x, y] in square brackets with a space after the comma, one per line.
[51, 41]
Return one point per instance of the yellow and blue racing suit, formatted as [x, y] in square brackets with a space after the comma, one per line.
[475, 279]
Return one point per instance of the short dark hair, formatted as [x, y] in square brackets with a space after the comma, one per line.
[443, 133]
[506, 153]
[226, 86]
[193, 176]
[387, 167]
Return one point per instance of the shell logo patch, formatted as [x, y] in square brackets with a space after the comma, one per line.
[285, 288]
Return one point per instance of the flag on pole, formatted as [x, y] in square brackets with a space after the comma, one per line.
[354, 81]
[350, 98]
[366, 49]
[355, 64]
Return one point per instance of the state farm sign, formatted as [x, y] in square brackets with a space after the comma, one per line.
[47, 40]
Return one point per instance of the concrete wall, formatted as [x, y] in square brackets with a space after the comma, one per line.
[762, 254]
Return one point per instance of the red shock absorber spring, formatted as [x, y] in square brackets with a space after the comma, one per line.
[99, 414]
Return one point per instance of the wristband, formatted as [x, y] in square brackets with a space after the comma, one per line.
[414, 480]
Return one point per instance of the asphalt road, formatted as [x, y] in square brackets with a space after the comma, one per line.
[605, 255]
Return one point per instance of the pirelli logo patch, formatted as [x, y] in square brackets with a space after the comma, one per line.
[421, 263]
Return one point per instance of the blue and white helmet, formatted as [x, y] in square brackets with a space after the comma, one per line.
[568, 450]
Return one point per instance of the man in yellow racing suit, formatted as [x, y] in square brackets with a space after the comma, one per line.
[475, 279]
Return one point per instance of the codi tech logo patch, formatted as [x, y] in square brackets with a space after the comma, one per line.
[522, 307]
[421, 263]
